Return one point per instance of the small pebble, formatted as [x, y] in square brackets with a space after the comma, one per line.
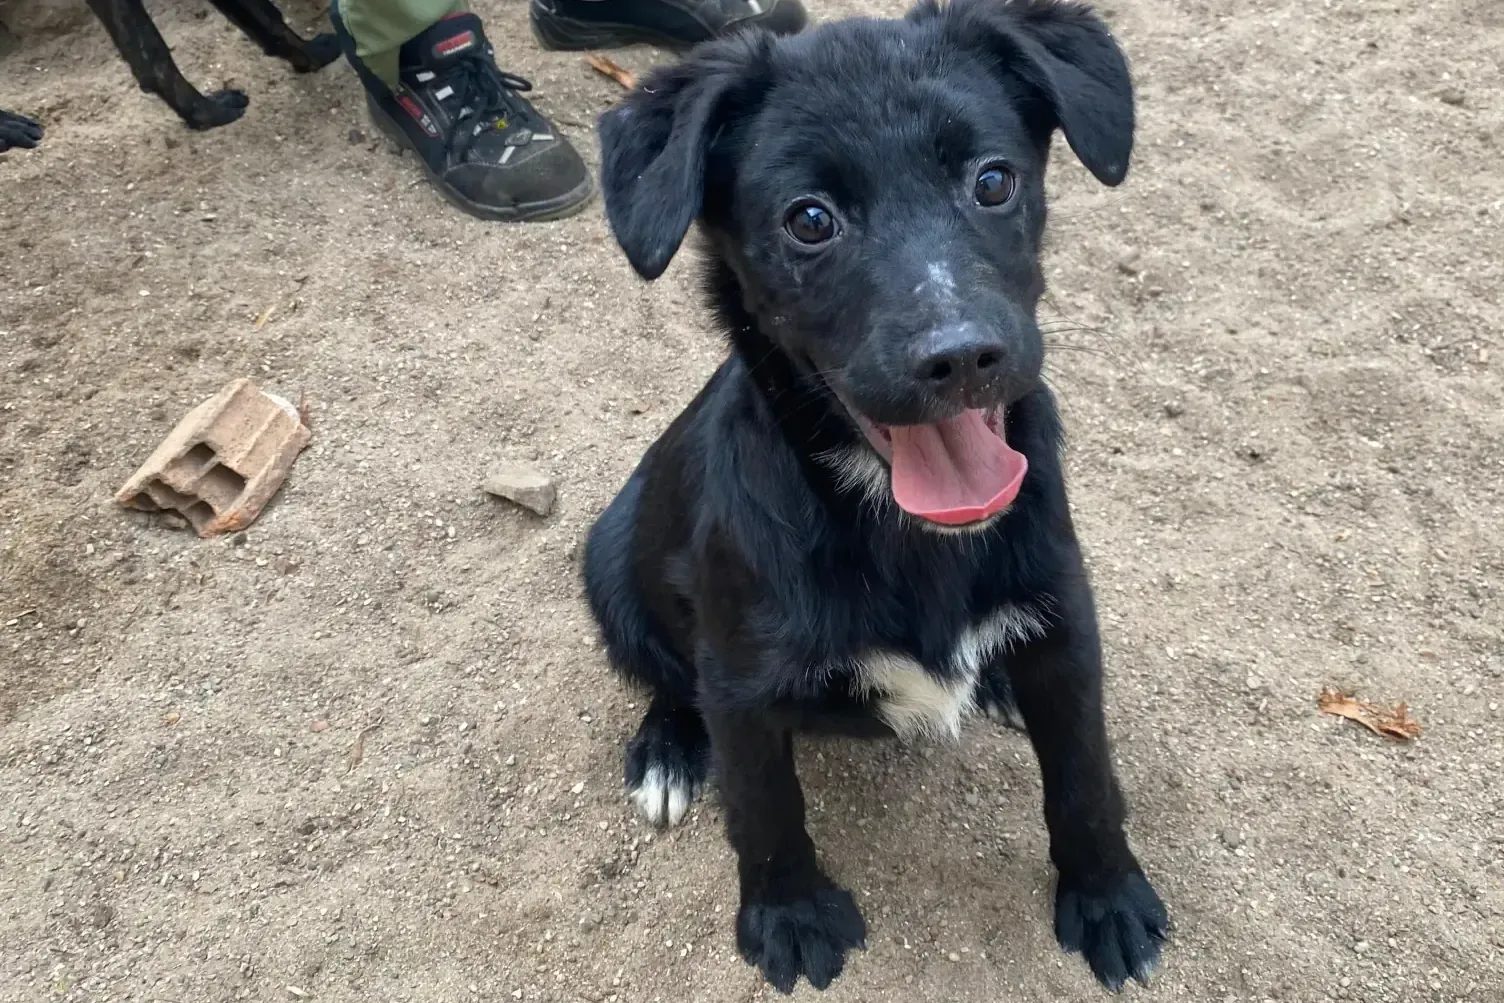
[1232, 838]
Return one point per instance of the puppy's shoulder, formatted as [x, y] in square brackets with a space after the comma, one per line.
[751, 471]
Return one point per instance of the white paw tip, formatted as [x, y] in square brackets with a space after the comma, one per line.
[1005, 714]
[662, 798]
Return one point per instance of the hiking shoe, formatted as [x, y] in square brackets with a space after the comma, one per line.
[484, 147]
[671, 24]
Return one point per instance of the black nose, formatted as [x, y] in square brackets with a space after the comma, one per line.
[958, 359]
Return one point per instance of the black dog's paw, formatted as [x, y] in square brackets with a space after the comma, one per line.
[995, 699]
[1120, 931]
[667, 761]
[809, 935]
[18, 130]
[219, 108]
[318, 52]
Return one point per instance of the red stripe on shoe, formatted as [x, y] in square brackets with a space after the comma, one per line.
[419, 115]
[457, 43]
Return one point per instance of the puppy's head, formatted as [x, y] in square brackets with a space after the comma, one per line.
[877, 189]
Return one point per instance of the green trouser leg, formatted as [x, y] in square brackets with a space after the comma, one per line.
[381, 27]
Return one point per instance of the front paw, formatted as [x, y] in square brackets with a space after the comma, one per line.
[219, 108]
[318, 52]
[994, 697]
[809, 934]
[1120, 930]
[18, 130]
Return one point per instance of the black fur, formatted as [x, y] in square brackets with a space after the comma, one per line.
[738, 575]
[18, 130]
[142, 46]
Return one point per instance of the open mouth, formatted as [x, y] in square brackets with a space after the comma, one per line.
[952, 472]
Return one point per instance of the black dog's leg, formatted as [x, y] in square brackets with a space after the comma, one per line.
[667, 760]
[264, 24]
[793, 918]
[151, 61]
[1104, 906]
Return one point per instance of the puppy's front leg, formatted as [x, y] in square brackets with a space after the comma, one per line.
[150, 60]
[792, 918]
[1104, 906]
[264, 24]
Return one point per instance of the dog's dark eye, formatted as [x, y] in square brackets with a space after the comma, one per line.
[810, 223]
[995, 186]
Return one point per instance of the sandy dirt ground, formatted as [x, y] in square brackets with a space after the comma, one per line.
[1282, 379]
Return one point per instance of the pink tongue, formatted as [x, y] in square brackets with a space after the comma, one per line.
[954, 472]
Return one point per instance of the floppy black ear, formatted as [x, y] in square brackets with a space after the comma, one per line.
[1065, 52]
[654, 146]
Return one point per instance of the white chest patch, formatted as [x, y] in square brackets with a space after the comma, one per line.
[914, 702]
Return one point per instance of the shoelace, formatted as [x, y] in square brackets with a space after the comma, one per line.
[482, 91]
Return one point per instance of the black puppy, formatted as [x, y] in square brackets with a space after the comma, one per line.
[138, 40]
[860, 522]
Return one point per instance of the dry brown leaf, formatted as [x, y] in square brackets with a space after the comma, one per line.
[1391, 722]
[608, 68]
[265, 316]
[358, 749]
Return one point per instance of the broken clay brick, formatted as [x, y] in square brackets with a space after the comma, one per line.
[223, 462]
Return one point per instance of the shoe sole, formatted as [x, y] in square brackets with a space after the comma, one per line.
[558, 207]
[567, 34]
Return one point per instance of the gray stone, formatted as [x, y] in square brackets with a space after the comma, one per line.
[523, 486]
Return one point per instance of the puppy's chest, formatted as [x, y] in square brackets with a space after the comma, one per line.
[914, 698]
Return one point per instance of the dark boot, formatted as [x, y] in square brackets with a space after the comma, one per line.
[481, 143]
